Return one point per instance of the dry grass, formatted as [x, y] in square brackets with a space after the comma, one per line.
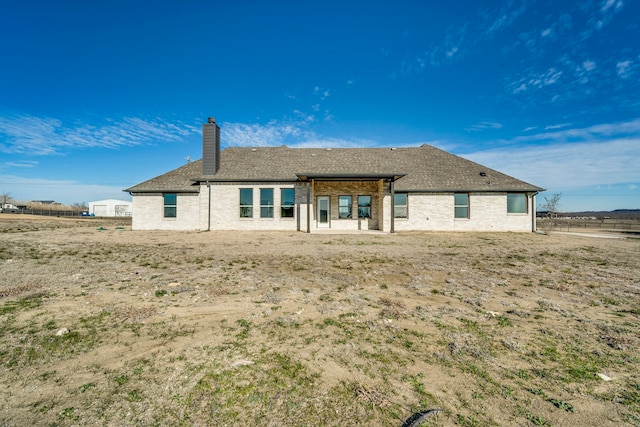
[288, 329]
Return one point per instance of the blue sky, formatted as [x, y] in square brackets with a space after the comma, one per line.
[96, 96]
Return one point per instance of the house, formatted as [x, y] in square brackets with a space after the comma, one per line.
[314, 189]
[110, 207]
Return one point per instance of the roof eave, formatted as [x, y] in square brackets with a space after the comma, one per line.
[214, 179]
[470, 190]
[349, 176]
[164, 190]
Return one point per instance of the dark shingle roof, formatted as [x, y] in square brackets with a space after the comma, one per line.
[424, 168]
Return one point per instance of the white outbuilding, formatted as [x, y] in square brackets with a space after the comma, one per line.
[111, 207]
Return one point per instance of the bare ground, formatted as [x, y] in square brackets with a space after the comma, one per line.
[290, 329]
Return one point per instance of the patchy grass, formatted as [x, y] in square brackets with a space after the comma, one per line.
[305, 330]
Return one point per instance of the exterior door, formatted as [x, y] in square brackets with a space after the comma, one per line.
[323, 211]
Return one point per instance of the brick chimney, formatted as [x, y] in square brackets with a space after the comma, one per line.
[210, 147]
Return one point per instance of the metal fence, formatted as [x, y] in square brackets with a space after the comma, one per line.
[568, 224]
[49, 212]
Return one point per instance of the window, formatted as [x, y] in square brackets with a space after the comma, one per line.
[170, 205]
[364, 206]
[400, 205]
[266, 203]
[516, 203]
[344, 207]
[286, 202]
[246, 203]
[461, 202]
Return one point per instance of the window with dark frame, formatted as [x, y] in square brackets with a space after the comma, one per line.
[400, 205]
[516, 203]
[170, 205]
[287, 202]
[364, 206]
[461, 205]
[246, 203]
[344, 207]
[266, 203]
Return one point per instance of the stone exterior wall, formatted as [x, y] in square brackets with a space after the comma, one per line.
[353, 189]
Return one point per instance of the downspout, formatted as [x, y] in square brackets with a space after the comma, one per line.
[209, 207]
[393, 205]
[308, 207]
[533, 212]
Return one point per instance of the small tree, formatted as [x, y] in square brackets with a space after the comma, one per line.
[552, 204]
[5, 198]
[80, 206]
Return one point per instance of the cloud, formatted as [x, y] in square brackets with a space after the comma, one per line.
[536, 80]
[601, 16]
[295, 134]
[63, 191]
[256, 135]
[588, 65]
[591, 133]
[322, 93]
[583, 71]
[26, 134]
[20, 164]
[506, 16]
[560, 126]
[484, 125]
[600, 154]
[623, 69]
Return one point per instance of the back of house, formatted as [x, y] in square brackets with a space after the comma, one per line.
[315, 189]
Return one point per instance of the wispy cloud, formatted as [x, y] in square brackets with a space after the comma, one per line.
[19, 164]
[295, 134]
[322, 93]
[503, 18]
[484, 126]
[593, 133]
[536, 80]
[623, 69]
[559, 126]
[274, 133]
[601, 154]
[26, 134]
[63, 191]
[600, 15]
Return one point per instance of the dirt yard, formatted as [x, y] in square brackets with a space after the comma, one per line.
[102, 325]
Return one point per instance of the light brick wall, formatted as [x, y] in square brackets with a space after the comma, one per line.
[427, 211]
[225, 209]
[148, 212]
[487, 211]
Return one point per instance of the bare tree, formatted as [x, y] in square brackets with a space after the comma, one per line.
[80, 206]
[6, 198]
[552, 204]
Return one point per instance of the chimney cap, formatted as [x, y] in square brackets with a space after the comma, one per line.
[211, 120]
